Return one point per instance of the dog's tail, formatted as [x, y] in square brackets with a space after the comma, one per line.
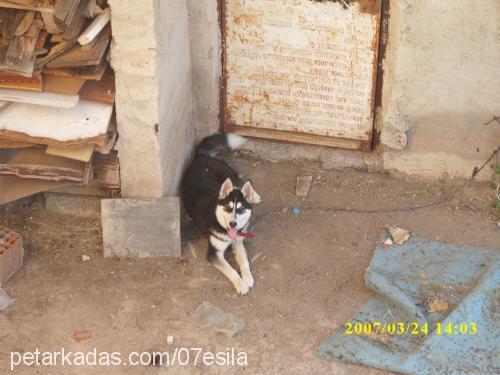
[219, 144]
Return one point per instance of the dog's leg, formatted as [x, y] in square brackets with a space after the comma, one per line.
[216, 249]
[242, 259]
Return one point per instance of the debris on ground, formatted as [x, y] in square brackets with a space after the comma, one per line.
[57, 94]
[398, 235]
[5, 300]
[85, 258]
[214, 318]
[80, 336]
[468, 279]
[296, 210]
[437, 305]
[11, 253]
[303, 185]
[387, 243]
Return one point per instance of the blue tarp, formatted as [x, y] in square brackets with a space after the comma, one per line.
[406, 278]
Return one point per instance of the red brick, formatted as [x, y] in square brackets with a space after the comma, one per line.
[11, 253]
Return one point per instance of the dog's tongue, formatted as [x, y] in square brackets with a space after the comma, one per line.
[232, 233]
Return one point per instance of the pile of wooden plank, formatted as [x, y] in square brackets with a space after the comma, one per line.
[56, 94]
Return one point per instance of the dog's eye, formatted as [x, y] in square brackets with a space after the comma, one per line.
[240, 210]
[228, 208]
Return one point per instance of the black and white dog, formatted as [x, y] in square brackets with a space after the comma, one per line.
[220, 203]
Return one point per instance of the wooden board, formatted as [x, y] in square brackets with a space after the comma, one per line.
[78, 57]
[86, 123]
[82, 153]
[140, 228]
[39, 98]
[93, 72]
[14, 188]
[62, 85]
[36, 164]
[101, 91]
[39, 6]
[19, 82]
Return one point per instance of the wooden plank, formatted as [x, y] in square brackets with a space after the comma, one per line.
[78, 57]
[141, 228]
[25, 24]
[35, 163]
[52, 25]
[19, 57]
[39, 98]
[87, 123]
[53, 54]
[19, 82]
[13, 187]
[62, 85]
[66, 9]
[299, 137]
[82, 153]
[75, 26]
[92, 72]
[101, 91]
[106, 170]
[39, 6]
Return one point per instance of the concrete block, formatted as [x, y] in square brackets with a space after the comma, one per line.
[11, 253]
[74, 205]
[141, 227]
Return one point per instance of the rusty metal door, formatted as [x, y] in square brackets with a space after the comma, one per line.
[301, 70]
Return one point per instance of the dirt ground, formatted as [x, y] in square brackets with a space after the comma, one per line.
[308, 269]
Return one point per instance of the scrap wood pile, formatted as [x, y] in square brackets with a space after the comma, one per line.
[57, 125]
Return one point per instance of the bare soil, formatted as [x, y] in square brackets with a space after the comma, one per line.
[308, 269]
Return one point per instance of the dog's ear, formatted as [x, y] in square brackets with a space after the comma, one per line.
[250, 194]
[226, 188]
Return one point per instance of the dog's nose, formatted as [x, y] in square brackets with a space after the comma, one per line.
[232, 224]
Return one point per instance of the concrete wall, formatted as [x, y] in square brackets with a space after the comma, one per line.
[151, 57]
[441, 84]
[205, 35]
[175, 91]
[133, 57]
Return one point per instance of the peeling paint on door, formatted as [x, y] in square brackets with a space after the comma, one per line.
[301, 67]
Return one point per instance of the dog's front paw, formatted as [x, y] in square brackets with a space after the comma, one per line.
[241, 286]
[248, 278]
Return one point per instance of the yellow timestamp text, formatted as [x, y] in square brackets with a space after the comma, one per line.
[409, 328]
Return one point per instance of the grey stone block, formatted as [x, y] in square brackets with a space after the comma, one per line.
[141, 227]
[214, 318]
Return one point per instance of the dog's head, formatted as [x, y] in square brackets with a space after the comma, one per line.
[234, 206]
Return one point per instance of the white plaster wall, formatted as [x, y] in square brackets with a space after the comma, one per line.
[151, 57]
[174, 71]
[204, 30]
[441, 84]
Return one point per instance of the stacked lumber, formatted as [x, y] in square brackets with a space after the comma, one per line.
[57, 120]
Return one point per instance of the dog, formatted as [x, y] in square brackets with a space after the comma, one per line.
[220, 203]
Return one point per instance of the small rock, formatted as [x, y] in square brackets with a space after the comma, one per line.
[85, 258]
[170, 340]
[437, 305]
[5, 300]
[80, 336]
[214, 318]
[303, 185]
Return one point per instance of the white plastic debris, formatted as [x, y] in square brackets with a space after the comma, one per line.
[398, 235]
[85, 258]
[5, 300]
